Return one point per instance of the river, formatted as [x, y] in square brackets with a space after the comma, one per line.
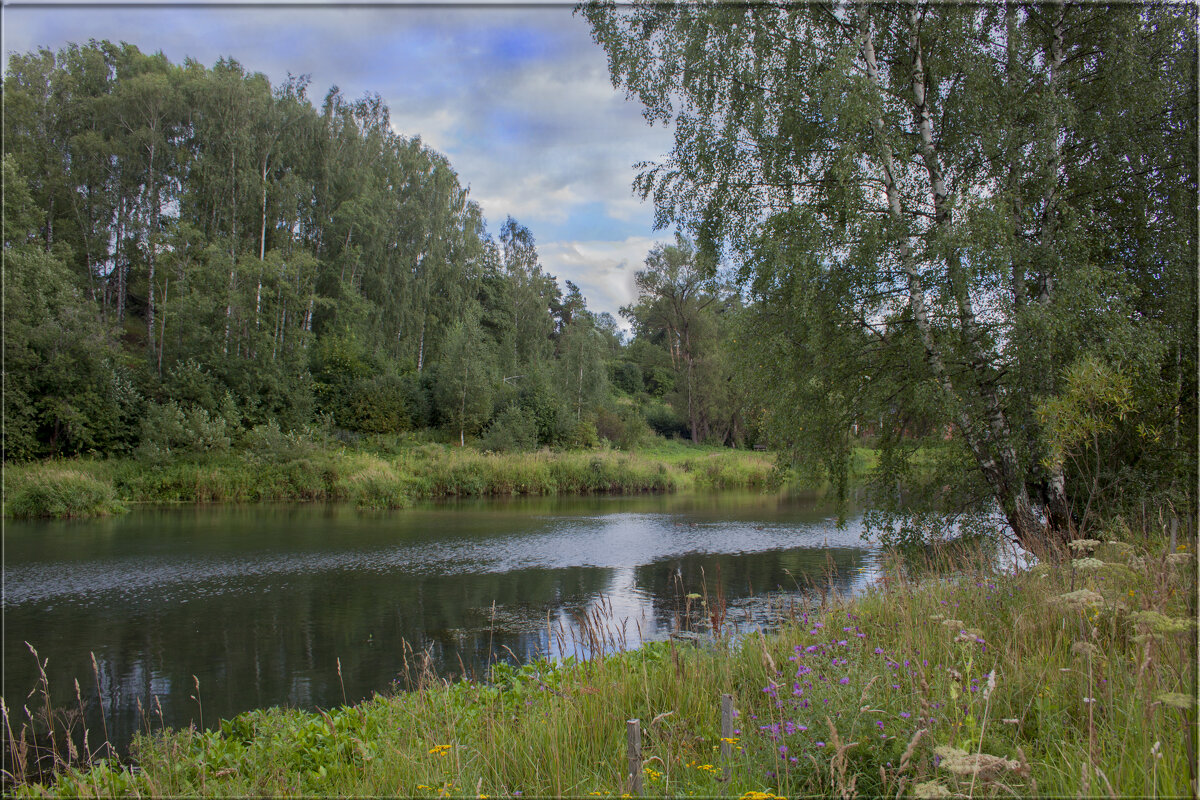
[313, 606]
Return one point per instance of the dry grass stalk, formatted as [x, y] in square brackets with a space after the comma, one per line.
[838, 764]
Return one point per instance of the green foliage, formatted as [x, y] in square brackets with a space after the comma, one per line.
[379, 405]
[172, 429]
[61, 492]
[547, 408]
[511, 431]
[1110, 439]
[627, 377]
[303, 259]
[383, 473]
[681, 315]
[663, 420]
[64, 392]
[626, 428]
[1095, 400]
[266, 442]
[935, 210]
[463, 387]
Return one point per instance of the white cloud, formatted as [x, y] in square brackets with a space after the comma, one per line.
[603, 270]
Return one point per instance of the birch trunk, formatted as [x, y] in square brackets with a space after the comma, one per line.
[1009, 491]
[152, 243]
[1058, 509]
[232, 247]
[1000, 464]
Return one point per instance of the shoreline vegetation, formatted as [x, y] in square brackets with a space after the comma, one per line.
[385, 473]
[952, 675]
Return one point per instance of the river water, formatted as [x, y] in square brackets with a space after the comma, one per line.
[266, 605]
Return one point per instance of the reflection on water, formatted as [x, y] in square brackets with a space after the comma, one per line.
[261, 604]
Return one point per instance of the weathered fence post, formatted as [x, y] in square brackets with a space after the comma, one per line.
[726, 734]
[634, 747]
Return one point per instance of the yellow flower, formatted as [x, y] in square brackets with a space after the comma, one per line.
[729, 739]
[439, 750]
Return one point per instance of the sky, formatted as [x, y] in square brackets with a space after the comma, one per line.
[517, 97]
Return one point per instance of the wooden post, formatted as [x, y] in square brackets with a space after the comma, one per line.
[726, 734]
[634, 731]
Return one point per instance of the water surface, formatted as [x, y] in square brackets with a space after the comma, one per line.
[261, 604]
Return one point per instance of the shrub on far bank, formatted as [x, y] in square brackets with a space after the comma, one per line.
[171, 429]
[267, 442]
[512, 431]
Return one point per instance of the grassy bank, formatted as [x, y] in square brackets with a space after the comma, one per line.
[1069, 680]
[385, 475]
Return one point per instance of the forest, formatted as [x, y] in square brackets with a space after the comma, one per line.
[966, 241]
[193, 255]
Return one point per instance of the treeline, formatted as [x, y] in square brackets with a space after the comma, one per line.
[191, 253]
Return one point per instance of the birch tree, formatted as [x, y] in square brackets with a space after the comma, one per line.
[919, 198]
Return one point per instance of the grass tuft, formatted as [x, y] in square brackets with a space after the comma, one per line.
[61, 492]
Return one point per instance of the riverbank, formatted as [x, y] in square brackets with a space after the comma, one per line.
[386, 474]
[1066, 680]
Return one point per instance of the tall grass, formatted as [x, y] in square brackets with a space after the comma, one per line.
[56, 490]
[1077, 677]
[370, 479]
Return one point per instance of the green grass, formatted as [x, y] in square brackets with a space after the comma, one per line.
[973, 681]
[391, 475]
[61, 489]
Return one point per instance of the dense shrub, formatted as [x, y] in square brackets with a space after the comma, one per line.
[169, 428]
[511, 431]
[380, 404]
[664, 421]
[267, 442]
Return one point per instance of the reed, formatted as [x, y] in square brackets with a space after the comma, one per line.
[371, 478]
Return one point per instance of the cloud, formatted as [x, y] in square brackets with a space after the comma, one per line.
[602, 269]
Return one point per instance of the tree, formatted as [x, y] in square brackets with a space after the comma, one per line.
[63, 393]
[533, 294]
[936, 181]
[464, 379]
[676, 299]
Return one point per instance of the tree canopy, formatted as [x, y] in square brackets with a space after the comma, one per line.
[940, 213]
[183, 239]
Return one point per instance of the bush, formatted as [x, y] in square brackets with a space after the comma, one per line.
[583, 435]
[170, 428]
[381, 404]
[64, 493]
[626, 376]
[664, 421]
[268, 443]
[511, 431]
